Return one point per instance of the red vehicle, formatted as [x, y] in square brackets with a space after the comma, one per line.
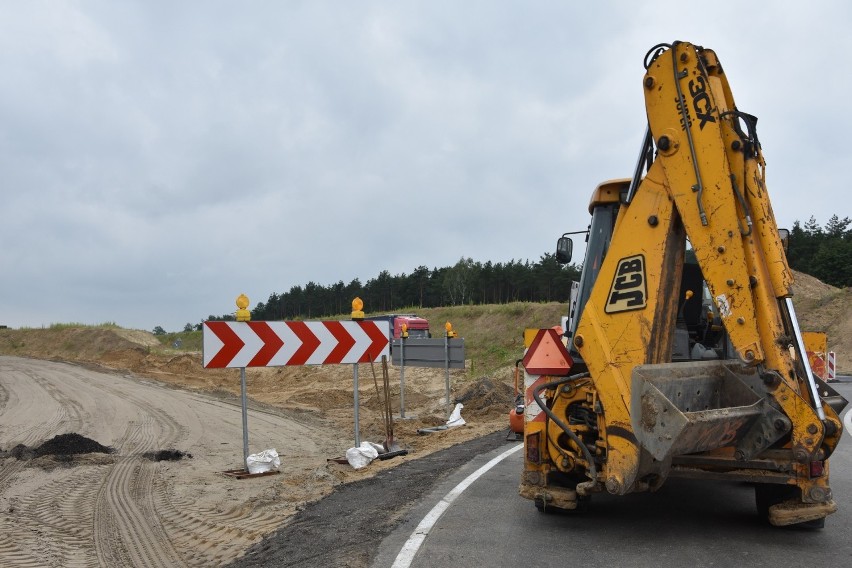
[416, 326]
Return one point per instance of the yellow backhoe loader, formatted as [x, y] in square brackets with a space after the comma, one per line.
[684, 361]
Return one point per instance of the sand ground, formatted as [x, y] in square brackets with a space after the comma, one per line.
[123, 509]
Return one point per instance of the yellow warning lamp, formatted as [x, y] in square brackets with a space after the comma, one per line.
[357, 309]
[404, 330]
[242, 312]
[686, 297]
[449, 327]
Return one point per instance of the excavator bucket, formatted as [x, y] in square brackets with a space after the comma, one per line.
[692, 407]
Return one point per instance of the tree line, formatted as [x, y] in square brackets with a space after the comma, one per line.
[823, 252]
[466, 282]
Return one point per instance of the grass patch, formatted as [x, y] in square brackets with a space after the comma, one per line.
[181, 341]
[493, 333]
[105, 325]
[76, 325]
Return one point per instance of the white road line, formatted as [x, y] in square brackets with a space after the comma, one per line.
[412, 545]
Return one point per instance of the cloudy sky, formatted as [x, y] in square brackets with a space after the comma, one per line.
[159, 158]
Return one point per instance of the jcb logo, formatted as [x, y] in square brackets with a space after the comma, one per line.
[628, 290]
[701, 101]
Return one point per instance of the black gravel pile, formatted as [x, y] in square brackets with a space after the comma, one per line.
[167, 455]
[69, 445]
[21, 452]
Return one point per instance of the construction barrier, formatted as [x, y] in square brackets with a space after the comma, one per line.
[831, 367]
[823, 364]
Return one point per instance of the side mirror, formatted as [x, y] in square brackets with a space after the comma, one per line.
[784, 234]
[564, 248]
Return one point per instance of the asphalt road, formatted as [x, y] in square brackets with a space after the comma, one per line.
[687, 523]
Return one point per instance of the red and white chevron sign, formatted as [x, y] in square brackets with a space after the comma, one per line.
[281, 343]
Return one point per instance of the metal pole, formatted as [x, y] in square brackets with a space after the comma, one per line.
[245, 416]
[355, 396]
[447, 366]
[402, 377]
[803, 357]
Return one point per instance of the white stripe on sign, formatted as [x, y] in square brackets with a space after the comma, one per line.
[252, 344]
[848, 421]
[327, 342]
[412, 545]
[291, 343]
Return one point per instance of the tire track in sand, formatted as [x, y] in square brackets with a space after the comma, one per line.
[122, 509]
[210, 533]
[26, 393]
[51, 523]
[29, 394]
[127, 528]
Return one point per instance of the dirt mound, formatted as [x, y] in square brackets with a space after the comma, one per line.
[166, 455]
[61, 445]
[143, 338]
[822, 307]
[808, 288]
[832, 314]
[485, 395]
[184, 363]
[75, 343]
[70, 444]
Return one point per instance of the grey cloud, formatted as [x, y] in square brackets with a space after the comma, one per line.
[159, 158]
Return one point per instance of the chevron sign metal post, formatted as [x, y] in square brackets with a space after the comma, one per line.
[230, 344]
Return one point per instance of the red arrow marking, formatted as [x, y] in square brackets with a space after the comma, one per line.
[271, 344]
[231, 343]
[345, 341]
[310, 342]
[379, 340]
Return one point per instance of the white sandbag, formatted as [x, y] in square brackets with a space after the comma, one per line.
[267, 460]
[362, 455]
[455, 417]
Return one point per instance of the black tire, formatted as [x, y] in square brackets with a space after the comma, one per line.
[815, 524]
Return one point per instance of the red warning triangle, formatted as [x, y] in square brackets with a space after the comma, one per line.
[547, 355]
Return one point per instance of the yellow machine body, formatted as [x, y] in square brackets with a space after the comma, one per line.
[629, 416]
